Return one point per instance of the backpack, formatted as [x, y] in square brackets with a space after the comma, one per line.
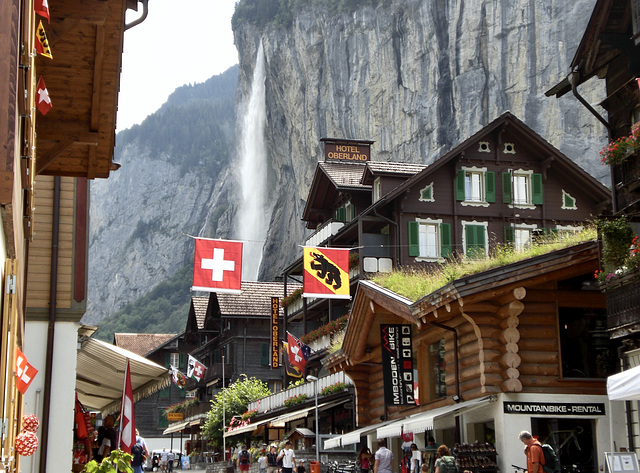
[137, 452]
[244, 458]
[448, 464]
[551, 463]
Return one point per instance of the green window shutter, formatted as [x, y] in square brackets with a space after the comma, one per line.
[165, 392]
[182, 392]
[264, 354]
[163, 422]
[490, 186]
[460, 185]
[509, 236]
[536, 188]
[554, 233]
[183, 361]
[167, 359]
[414, 248]
[475, 241]
[217, 357]
[341, 214]
[445, 240]
[506, 187]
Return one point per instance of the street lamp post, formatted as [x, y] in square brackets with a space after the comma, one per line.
[315, 381]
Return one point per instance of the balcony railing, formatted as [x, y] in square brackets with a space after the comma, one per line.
[324, 232]
[623, 300]
[276, 401]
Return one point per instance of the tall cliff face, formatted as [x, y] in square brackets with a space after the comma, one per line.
[417, 77]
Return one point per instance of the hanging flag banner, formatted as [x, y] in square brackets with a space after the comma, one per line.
[42, 96]
[275, 332]
[299, 353]
[292, 371]
[41, 7]
[24, 371]
[177, 377]
[217, 266]
[42, 44]
[326, 273]
[397, 364]
[127, 419]
[195, 369]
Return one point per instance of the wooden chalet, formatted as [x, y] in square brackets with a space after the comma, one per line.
[44, 189]
[141, 343]
[518, 347]
[610, 50]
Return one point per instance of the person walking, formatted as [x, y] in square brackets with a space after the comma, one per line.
[272, 460]
[364, 460]
[416, 459]
[170, 459]
[244, 460]
[140, 453]
[533, 452]
[446, 463]
[288, 456]
[262, 462]
[383, 458]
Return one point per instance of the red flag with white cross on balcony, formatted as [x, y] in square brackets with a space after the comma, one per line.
[217, 266]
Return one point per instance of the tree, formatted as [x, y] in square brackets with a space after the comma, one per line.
[237, 397]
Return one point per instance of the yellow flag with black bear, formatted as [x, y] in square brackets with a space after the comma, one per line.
[326, 273]
[42, 43]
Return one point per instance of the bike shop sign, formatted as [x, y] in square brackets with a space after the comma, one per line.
[555, 408]
[397, 364]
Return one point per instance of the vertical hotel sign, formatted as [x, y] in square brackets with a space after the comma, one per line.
[397, 364]
[275, 333]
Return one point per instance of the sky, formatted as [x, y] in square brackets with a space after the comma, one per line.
[180, 42]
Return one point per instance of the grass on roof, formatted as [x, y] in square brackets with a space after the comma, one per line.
[416, 283]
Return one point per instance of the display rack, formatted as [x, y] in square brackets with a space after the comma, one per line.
[476, 457]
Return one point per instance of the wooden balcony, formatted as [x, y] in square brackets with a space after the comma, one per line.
[626, 179]
[623, 304]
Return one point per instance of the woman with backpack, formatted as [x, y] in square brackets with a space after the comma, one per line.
[446, 463]
[244, 460]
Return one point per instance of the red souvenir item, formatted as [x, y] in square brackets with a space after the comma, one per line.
[30, 422]
[26, 443]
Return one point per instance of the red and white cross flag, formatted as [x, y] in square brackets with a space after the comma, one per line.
[24, 371]
[127, 419]
[217, 266]
[43, 100]
[195, 369]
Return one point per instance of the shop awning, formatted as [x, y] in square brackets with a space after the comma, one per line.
[246, 428]
[100, 375]
[424, 420]
[179, 427]
[352, 437]
[624, 386]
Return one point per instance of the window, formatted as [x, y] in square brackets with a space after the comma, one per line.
[522, 188]
[350, 211]
[475, 186]
[431, 365]
[567, 230]
[265, 355]
[377, 189]
[426, 194]
[475, 240]
[520, 236]
[429, 240]
[174, 360]
[568, 202]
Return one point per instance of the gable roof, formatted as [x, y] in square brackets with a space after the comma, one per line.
[199, 304]
[374, 169]
[141, 343]
[254, 300]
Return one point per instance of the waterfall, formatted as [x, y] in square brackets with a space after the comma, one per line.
[252, 221]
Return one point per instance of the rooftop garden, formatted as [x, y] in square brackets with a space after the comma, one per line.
[416, 283]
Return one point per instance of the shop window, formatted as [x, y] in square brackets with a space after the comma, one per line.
[432, 371]
[522, 188]
[586, 350]
[475, 240]
[426, 194]
[574, 441]
[429, 240]
[475, 186]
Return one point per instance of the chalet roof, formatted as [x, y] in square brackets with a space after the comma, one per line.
[77, 137]
[600, 43]
[375, 168]
[254, 300]
[200, 304]
[344, 175]
[141, 343]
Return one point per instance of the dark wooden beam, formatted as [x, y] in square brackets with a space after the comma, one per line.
[44, 160]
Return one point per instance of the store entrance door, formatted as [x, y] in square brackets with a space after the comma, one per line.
[574, 441]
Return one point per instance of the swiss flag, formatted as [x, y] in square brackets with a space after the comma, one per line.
[217, 266]
[44, 101]
[24, 371]
[127, 420]
[195, 369]
[298, 352]
[41, 7]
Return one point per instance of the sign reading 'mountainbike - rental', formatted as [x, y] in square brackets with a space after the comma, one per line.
[397, 364]
[555, 408]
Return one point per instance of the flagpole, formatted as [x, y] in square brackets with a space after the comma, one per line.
[124, 386]
[224, 420]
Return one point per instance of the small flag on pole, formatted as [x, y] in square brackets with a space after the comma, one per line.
[298, 352]
[292, 371]
[127, 419]
[24, 371]
[42, 44]
[177, 377]
[42, 96]
[41, 7]
[195, 369]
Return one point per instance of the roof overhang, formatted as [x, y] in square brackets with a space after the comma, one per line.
[100, 375]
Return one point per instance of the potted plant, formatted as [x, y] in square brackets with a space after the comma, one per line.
[619, 150]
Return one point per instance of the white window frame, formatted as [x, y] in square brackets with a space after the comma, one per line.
[517, 240]
[486, 235]
[568, 229]
[515, 178]
[424, 223]
[575, 202]
[432, 199]
[481, 172]
[349, 211]
[377, 189]
[174, 360]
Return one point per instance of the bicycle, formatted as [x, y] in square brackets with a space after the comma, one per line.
[570, 446]
[518, 468]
